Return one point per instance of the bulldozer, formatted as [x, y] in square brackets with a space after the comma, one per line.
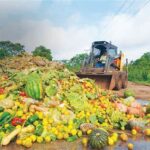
[110, 74]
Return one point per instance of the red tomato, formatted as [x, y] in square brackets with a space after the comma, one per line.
[2, 90]
[23, 94]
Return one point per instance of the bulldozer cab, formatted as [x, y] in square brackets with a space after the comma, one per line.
[101, 49]
[104, 65]
[103, 55]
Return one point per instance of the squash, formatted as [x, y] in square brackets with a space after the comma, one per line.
[33, 86]
[138, 124]
[98, 138]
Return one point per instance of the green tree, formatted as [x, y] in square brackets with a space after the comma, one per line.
[75, 63]
[8, 48]
[43, 52]
[139, 70]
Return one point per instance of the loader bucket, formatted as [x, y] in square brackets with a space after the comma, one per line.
[105, 81]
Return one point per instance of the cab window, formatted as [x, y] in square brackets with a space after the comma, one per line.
[112, 52]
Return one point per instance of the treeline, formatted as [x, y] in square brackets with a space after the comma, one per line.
[8, 49]
[139, 70]
[76, 62]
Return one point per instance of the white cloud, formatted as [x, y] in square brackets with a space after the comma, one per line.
[18, 6]
[130, 33]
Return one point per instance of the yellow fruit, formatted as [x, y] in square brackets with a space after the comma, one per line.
[88, 114]
[18, 126]
[66, 135]
[50, 120]
[70, 122]
[27, 143]
[24, 117]
[60, 136]
[6, 125]
[74, 132]
[47, 139]
[2, 96]
[70, 127]
[19, 113]
[134, 132]
[45, 122]
[115, 135]
[53, 129]
[130, 146]
[39, 139]
[79, 133]
[33, 138]
[18, 142]
[40, 115]
[56, 132]
[85, 141]
[114, 138]
[29, 139]
[36, 123]
[124, 137]
[89, 131]
[110, 141]
[147, 132]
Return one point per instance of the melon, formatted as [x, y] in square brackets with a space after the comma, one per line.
[98, 138]
[33, 87]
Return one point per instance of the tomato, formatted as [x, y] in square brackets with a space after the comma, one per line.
[17, 121]
[23, 94]
[2, 90]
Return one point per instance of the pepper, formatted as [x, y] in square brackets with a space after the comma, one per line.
[5, 117]
[17, 121]
[72, 138]
[38, 130]
[31, 119]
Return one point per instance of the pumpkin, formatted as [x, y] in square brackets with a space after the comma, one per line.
[98, 138]
[33, 86]
[137, 124]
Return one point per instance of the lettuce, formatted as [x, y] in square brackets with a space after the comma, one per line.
[77, 102]
[51, 90]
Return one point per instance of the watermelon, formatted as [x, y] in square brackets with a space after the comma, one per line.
[33, 86]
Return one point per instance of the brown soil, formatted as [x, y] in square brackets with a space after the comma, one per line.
[141, 91]
[139, 143]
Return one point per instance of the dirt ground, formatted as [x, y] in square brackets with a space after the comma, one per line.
[139, 142]
[141, 91]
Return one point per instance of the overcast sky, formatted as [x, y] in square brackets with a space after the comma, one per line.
[69, 27]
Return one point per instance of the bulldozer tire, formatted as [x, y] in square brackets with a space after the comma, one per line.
[124, 81]
[119, 83]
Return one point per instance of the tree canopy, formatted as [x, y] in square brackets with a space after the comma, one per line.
[139, 70]
[75, 63]
[8, 48]
[43, 52]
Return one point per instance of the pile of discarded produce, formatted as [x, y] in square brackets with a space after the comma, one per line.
[44, 103]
